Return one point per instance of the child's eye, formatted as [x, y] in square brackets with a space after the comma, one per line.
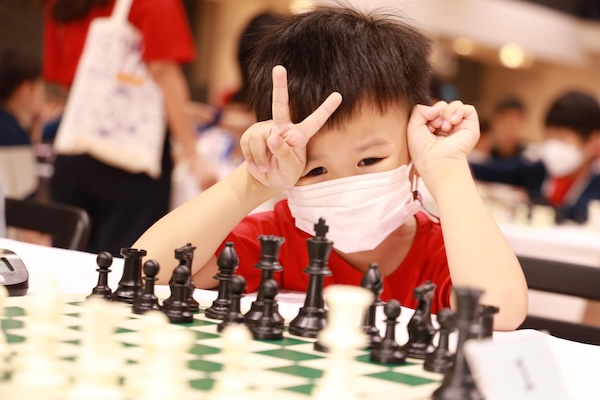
[316, 171]
[369, 161]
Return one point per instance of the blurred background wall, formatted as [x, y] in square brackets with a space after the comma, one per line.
[548, 45]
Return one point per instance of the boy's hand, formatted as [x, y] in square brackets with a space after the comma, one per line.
[275, 151]
[441, 135]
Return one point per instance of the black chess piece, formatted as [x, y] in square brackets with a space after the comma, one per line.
[185, 255]
[268, 264]
[373, 282]
[228, 263]
[237, 287]
[420, 328]
[458, 382]
[486, 320]
[178, 309]
[388, 351]
[147, 300]
[312, 317]
[130, 286]
[440, 360]
[104, 261]
[267, 327]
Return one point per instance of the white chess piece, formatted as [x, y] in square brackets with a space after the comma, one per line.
[521, 214]
[542, 216]
[231, 384]
[38, 373]
[342, 336]
[593, 221]
[167, 378]
[3, 343]
[100, 360]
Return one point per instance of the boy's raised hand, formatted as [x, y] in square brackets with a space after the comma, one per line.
[440, 135]
[275, 151]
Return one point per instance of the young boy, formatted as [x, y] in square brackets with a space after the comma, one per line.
[351, 162]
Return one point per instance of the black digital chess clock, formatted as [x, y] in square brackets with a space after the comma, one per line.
[13, 274]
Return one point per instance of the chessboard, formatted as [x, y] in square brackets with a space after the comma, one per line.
[278, 369]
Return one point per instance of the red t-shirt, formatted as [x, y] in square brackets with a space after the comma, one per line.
[162, 23]
[426, 259]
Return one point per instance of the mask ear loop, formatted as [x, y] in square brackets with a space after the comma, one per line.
[419, 198]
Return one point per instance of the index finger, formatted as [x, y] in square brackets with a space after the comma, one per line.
[317, 119]
[280, 106]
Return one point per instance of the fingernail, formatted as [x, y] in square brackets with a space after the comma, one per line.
[446, 126]
[454, 118]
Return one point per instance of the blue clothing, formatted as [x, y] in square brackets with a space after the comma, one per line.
[11, 133]
[532, 176]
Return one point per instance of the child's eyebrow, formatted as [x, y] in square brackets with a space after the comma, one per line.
[374, 142]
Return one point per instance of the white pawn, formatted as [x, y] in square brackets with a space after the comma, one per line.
[543, 216]
[342, 336]
[38, 373]
[167, 372]
[231, 384]
[152, 322]
[593, 221]
[101, 357]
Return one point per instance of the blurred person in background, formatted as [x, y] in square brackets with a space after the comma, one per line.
[563, 170]
[507, 123]
[122, 205]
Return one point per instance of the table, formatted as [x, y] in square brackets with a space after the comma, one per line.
[75, 273]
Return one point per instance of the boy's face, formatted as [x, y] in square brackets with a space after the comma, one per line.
[370, 142]
[588, 147]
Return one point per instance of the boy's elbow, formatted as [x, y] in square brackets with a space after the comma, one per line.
[513, 310]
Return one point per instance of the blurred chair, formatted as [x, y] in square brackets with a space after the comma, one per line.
[567, 279]
[69, 226]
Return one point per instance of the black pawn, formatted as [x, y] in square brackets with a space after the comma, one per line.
[388, 351]
[237, 287]
[185, 255]
[486, 320]
[228, 263]
[440, 360]
[178, 309]
[268, 264]
[373, 282]
[268, 327]
[458, 382]
[104, 261]
[148, 300]
[420, 328]
[130, 285]
[312, 317]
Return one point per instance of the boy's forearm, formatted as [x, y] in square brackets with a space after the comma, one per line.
[478, 253]
[204, 221]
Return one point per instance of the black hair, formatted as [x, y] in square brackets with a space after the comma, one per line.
[509, 104]
[577, 111]
[64, 11]
[17, 66]
[369, 58]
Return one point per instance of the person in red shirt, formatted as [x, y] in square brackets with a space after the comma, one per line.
[344, 134]
[122, 205]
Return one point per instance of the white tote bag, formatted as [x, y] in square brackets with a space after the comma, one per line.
[115, 111]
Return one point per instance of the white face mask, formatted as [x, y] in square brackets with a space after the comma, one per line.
[361, 210]
[560, 158]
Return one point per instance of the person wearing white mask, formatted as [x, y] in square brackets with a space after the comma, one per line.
[345, 133]
[563, 170]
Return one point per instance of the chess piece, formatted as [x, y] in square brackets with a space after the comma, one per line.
[420, 328]
[185, 255]
[268, 264]
[373, 282]
[342, 336]
[486, 320]
[440, 360]
[388, 351]
[130, 285]
[237, 286]
[231, 384]
[3, 342]
[104, 261]
[178, 309]
[312, 317]
[147, 300]
[228, 263]
[267, 327]
[458, 382]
